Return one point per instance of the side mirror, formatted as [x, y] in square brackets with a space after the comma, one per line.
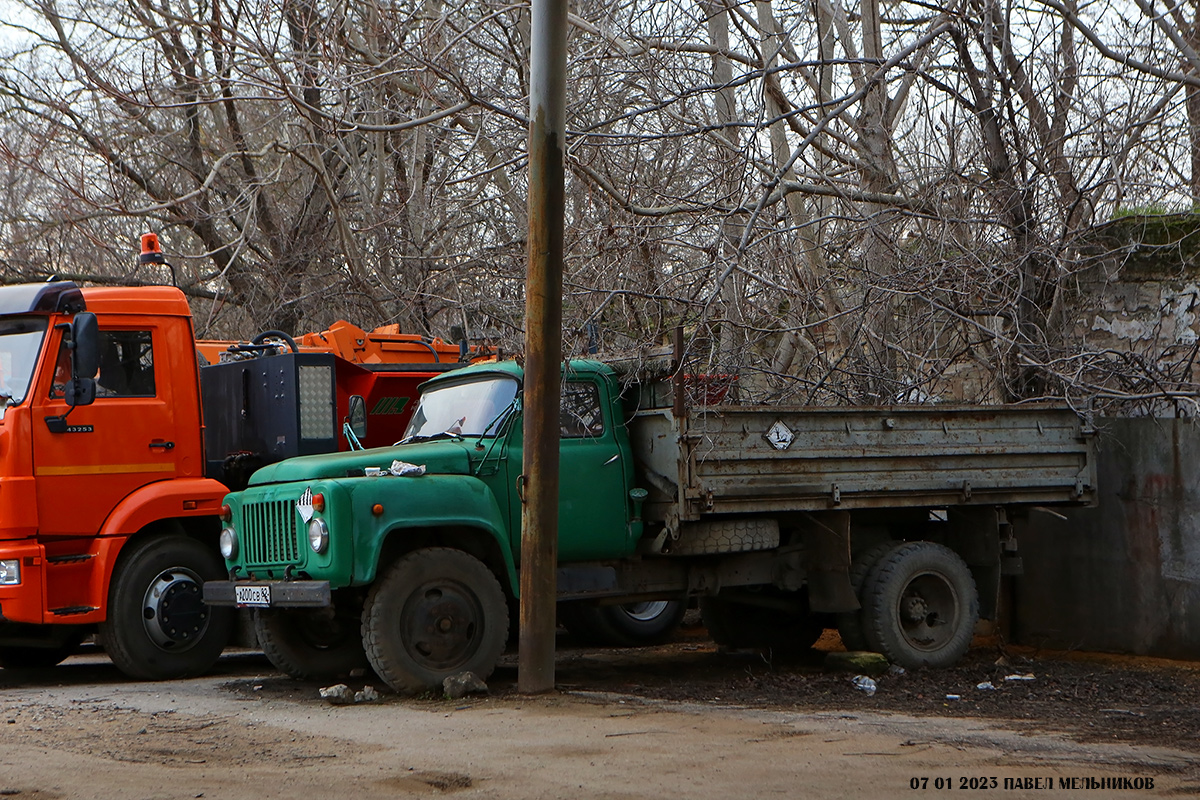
[85, 360]
[85, 338]
[80, 391]
[356, 416]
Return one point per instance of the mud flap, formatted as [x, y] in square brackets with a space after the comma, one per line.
[975, 535]
[826, 538]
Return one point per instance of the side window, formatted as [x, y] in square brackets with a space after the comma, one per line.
[126, 365]
[579, 412]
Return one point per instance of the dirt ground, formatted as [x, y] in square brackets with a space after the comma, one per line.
[1092, 697]
[637, 723]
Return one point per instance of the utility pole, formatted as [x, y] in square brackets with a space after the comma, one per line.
[543, 344]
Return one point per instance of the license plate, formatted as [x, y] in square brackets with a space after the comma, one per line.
[252, 595]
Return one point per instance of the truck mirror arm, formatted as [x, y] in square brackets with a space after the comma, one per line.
[351, 439]
[78, 392]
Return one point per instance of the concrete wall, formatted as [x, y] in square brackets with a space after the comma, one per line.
[1123, 576]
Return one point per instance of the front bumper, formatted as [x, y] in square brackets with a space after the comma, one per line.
[23, 602]
[283, 594]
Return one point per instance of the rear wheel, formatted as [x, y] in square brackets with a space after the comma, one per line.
[434, 613]
[158, 627]
[312, 643]
[850, 624]
[920, 606]
[642, 624]
[779, 621]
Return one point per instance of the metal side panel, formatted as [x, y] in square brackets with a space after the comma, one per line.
[754, 459]
[656, 452]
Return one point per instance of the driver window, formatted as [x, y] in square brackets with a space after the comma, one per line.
[62, 370]
[126, 365]
[579, 412]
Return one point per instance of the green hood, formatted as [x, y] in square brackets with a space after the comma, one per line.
[449, 457]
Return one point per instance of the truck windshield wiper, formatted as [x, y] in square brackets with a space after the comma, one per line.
[424, 437]
[500, 419]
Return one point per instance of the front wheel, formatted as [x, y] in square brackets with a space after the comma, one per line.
[158, 627]
[314, 643]
[434, 613]
[920, 606]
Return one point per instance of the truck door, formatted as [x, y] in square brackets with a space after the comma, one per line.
[593, 503]
[123, 441]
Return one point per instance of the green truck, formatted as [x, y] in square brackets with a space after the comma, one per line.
[894, 524]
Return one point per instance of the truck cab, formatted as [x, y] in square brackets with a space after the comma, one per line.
[96, 453]
[142, 427]
[327, 532]
[466, 432]
[596, 470]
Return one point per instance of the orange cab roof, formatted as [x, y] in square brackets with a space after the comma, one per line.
[136, 300]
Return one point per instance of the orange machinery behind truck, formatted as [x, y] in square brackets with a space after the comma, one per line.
[266, 398]
[119, 436]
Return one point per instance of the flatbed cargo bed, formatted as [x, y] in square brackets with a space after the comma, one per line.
[763, 459]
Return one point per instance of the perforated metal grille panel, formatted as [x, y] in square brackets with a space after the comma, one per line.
[316, 402]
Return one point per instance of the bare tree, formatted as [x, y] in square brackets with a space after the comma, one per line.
[873, 202]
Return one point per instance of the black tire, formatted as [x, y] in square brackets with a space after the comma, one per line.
[158, 627]
[31, 657]
[434, 613]
[643, 624]
[920, 606]
[741, 625]
[316, 643]
[577, 617]
[851, 624]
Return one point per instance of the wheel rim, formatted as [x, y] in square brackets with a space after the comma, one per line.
[646, 611]
[928, 612]
[173, 610]
[442, 625]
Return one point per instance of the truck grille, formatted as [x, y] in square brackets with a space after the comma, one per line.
[270, 533]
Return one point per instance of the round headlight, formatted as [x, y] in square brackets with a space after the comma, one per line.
[229, 543]
[318, 535]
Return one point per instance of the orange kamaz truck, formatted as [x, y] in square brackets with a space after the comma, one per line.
[120, 434]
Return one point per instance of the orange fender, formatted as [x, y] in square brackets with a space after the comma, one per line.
[173, 499]
[180, 497]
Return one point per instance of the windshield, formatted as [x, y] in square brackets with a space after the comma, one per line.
[20, 341]
[466, 409]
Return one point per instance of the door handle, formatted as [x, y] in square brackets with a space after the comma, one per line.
[162, 444]
[611, 460]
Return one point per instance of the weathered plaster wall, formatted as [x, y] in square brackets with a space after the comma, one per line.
[1138, 293]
